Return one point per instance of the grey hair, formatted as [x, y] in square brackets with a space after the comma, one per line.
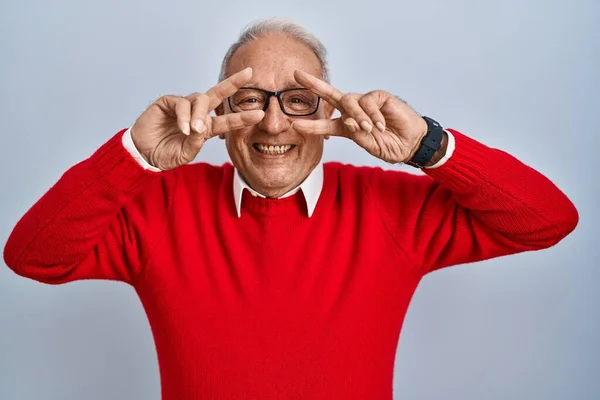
[266, 27]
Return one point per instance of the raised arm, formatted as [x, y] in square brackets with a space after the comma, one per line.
[481, 203]
[478, 203]
[93, 223]
[104, 215]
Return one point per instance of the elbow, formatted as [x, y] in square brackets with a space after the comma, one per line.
[11, 256]
[563, 221]
[13, 262]
[52, 275]
[568, 222]
[545, 230]
[15, 259]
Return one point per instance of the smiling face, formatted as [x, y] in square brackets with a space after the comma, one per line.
[273, 171]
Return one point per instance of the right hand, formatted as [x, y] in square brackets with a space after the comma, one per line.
[173, 129]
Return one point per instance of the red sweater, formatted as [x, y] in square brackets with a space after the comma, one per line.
[276, 305]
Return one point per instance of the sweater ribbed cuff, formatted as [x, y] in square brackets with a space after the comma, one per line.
[466, 167]
[118, 168]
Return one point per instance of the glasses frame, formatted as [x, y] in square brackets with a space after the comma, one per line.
[278, 96]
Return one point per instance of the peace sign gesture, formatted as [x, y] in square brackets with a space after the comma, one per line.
[379, 122]
[173, 129]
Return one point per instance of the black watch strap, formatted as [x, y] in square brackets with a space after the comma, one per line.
[430, 144]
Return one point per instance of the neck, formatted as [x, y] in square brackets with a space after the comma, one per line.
[273, 192]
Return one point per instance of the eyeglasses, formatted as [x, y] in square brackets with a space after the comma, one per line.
[296, 102]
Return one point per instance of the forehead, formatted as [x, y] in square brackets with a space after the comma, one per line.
[273, 60]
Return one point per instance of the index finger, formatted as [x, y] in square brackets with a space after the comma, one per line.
[319, 87]
[227, 87]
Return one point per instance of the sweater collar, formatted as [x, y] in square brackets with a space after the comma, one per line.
[311, 188]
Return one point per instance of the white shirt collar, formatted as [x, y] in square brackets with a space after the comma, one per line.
[311, 189]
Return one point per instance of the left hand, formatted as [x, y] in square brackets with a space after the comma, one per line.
[380, 123]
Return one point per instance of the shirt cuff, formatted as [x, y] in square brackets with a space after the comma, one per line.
[130, 147]
[449, 151]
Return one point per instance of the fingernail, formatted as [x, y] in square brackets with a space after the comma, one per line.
[350, 124]
[366, 126]
[186, 129]
[380, 126]
[199, 126]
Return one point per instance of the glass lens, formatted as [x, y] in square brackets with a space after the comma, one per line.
[299, 101]
[248, 100]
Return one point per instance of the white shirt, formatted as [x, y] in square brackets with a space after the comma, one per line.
[311, 187]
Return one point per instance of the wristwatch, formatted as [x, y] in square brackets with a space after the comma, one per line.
[429, 145]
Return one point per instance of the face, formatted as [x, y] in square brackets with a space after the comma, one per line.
[273, 60]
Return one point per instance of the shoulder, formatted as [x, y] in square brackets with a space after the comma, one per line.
[189, 178]
[366, 175]
[385, 184]
[203, 173]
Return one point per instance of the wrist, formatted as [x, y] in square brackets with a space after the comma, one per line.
[129, 144]
[431, 146]
[423, 132]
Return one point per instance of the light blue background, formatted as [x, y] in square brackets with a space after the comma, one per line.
[521, 76]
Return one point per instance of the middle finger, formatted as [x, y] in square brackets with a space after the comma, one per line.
[352, 108]
[199, 112]
[319, 87]
[227, 87]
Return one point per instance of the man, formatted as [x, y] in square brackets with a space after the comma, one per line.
[279, 277]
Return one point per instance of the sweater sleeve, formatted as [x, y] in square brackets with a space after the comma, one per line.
[482, 203]
[99, 221]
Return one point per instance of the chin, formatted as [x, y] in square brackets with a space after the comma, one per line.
[273, 179]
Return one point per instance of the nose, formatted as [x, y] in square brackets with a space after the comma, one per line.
[275, 121]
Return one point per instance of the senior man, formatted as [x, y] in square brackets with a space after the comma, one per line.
[279, 277]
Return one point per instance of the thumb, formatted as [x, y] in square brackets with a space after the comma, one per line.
[327, 127]
[194, 142]
[231, 122]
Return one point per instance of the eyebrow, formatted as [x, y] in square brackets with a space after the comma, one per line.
[288, 85]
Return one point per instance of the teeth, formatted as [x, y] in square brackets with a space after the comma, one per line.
[273, 149]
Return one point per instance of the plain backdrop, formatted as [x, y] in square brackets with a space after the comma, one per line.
[522, 76]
